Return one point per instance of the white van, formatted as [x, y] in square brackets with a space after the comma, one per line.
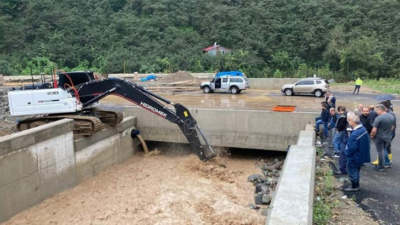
[233, 84]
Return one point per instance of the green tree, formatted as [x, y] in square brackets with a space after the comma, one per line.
[362, 56]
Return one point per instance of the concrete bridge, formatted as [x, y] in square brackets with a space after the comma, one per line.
[254, 129]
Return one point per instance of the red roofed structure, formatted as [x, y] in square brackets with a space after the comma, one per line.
[216, 49]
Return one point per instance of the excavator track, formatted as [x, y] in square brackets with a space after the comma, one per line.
[87, 124]
[83, 125]
[109, 117]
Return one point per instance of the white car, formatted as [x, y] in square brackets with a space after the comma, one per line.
[307, 86]
[233, 84]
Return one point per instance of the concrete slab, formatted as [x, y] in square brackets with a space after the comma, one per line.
[294, 198]
[306, 138]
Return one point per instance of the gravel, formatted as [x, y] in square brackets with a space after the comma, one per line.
[178, 77]
[4, 107]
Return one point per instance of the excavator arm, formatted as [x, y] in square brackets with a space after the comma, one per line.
[91, 92]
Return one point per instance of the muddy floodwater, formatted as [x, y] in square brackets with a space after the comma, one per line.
[160, 189]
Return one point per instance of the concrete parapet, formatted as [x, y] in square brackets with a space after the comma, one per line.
[38, 163]
[255, 129]
[104, 149]
[34, 165]
[306, 138]
[294, 197]
[270, 83]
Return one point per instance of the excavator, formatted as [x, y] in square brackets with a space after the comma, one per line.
[77, 95]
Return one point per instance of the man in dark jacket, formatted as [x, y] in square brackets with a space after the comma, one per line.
[365, 119]
[357, 152]
[340, 140]
[334, 116]
[326, 99]
[324, 120]
[332, 101]
[372, 114]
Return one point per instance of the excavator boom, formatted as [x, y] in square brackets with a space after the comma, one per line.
[91, 92]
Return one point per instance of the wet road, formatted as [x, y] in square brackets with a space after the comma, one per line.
[252, 99]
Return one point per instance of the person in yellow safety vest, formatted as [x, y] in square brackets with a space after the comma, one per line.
[358, 85]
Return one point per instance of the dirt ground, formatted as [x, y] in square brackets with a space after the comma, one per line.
[6, 128]
[346, 210]
[171, 188]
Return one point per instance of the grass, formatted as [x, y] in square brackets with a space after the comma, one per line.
[386, 86]
[320, 151]
[324, 206]
[322, 212]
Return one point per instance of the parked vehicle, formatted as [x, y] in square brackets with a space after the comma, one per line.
[314, 86]
[225, 84]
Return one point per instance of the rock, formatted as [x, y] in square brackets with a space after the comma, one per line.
[266, 199]
[263, 188]
[279, 165]
[252, 206]
[264, 211]
[271, 163]
[258, 199]
[255, 178]
[276, 160]
[265, 173]
[274, 181]
[267, 167]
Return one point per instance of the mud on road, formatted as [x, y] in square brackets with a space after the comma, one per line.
[171, 188]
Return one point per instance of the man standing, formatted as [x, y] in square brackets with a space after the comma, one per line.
[326, 100]
[334, 116]
[358, 85]
[382, 133]
[332, 101]
[372, 114]
[324, 120]
[357, 152]
[388, 152]
[358, 110]
[340, 139]
[365, 119]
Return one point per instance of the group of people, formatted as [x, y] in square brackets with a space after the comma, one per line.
[352, 133]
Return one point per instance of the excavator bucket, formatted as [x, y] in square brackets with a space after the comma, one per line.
[193, 132]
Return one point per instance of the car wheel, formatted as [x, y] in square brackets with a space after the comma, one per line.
[234, 90]
[206, 89]
[288, 92]
[318, 93]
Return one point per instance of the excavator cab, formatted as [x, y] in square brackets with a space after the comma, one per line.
[74, 78]
[71, 79]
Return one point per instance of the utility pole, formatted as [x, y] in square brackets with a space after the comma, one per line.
[124, 65]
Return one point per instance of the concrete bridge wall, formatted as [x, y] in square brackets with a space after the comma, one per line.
[253, 129]
[38, 163]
